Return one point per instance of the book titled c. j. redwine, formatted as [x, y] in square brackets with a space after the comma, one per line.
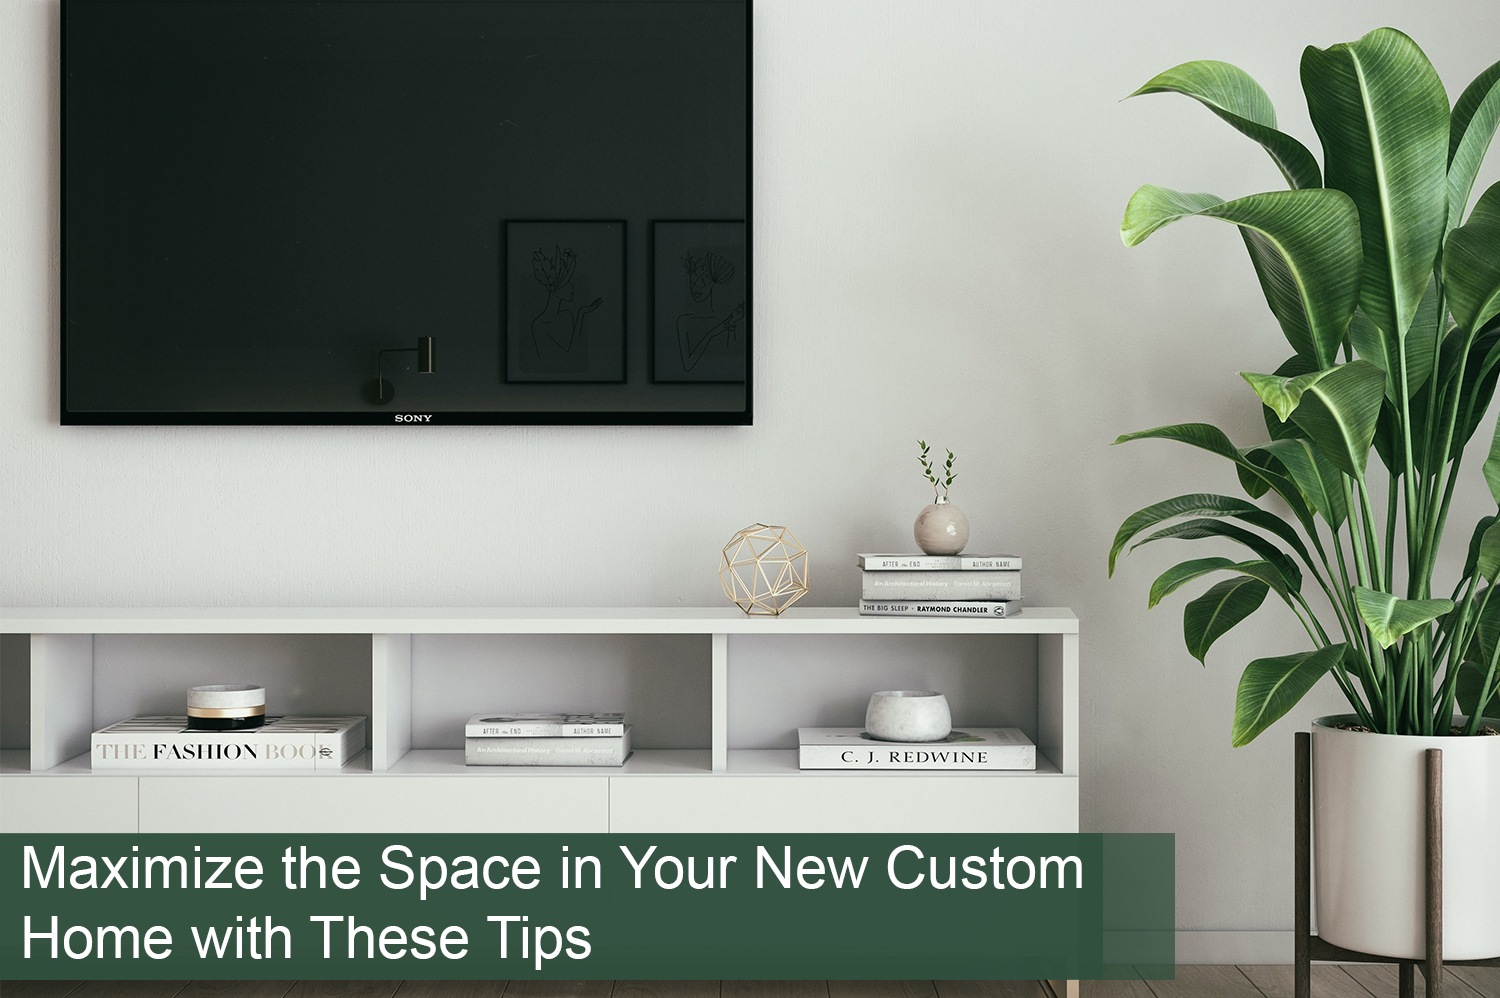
[969, 748]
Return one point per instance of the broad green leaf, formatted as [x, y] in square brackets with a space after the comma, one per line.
[1471, 264]
[1195, 504]
[1254, 485]
[1480, 374]
[1211, 438]
[1276, 429]
[1152, 207]
[1196, 530]
[1481, 648]
[1470, 131]
[1205, 504]
[1472, 561]
[1339, 412]
[1282, 394]
[1320, 482]
[1234, 96]
[1470, 679]
[1481, 368]
[1268, 573]
[1207, 618]
[1424, 337]
[1487, 564]
[1268, 521]
[1274, 524]
[1282, 295]
[1382, 113]
[1388, 442]
[1178, 576]
[1314, 232]
[1422, 340]
[1492, 464]
[1270, 687]
[1388, 617]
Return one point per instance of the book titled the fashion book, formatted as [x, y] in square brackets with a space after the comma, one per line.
[938, 562]
[164, 742]
[892, 586]
[501, 725]
[969, 748]
[940, 608]
[548, 751]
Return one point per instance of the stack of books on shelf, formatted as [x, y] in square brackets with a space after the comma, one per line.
[972, 748]
[164, 742]
[940, 585]
[546, 740]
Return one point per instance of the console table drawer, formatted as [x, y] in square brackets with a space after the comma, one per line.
[863, 803]
[371, 803]
[46, 805]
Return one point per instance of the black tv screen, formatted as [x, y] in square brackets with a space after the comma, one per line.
[511, 211]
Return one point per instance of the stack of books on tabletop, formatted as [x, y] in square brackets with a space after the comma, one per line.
[940, 585]
[546, 740]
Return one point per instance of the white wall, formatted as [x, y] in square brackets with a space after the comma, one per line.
[938, 191]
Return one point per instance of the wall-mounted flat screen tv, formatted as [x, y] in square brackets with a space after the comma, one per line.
[398, 211]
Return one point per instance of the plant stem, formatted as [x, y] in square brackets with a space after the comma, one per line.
[1460, 635]
[1409, 479]
[1392, 493]
[1406, 698]
[1449, 470]
[1380, 670]
[1458, 620]
[1349, 620]
[1397, 668]
[1434, 395]
[1435, 538]
[1367, 517]
[1356, 543]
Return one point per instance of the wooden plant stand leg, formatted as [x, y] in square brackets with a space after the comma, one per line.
[1302, 820]
[1434, 968]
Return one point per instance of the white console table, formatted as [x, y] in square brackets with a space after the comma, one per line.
[400, 786]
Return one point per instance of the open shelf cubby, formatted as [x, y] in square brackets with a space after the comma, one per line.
[715, 698]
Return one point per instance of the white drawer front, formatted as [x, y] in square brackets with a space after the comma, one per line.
[385, 804]
[852, 804]
[49, 804]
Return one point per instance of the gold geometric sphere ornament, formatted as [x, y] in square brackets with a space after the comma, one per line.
[764, 569]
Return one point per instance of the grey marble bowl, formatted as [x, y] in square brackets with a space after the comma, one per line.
[908, 716]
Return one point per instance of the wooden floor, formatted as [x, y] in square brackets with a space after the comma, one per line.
[1350, 981]
[1361, 980]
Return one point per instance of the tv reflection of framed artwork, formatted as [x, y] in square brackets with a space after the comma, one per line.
[565, 301]
[700, 301]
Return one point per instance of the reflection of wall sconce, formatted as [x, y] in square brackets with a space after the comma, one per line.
[382, 391]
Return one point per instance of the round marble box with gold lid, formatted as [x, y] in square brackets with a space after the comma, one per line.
[226, 708]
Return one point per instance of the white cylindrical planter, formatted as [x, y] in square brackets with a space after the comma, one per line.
[1370, 841]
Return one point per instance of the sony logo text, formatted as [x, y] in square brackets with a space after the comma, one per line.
[409, 418]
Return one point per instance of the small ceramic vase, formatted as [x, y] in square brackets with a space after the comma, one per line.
[908, 716]
[942, 528]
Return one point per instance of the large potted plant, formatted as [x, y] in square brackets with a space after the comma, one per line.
[1390, 299]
